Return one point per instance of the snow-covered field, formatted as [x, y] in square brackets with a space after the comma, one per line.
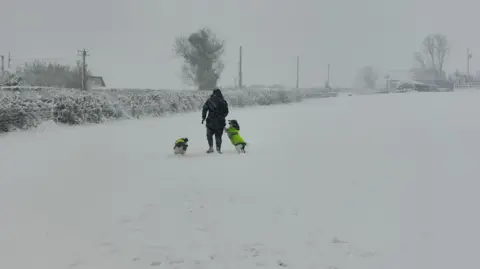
[367, 182]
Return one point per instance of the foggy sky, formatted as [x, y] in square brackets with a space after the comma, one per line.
[130, 42]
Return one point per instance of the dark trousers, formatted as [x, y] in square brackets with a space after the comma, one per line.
[218, 133]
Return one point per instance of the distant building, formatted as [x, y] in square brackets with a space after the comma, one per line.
[95, 82]
[416, 86]
[430, 77]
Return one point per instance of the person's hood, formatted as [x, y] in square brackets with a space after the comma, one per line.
[217, 93]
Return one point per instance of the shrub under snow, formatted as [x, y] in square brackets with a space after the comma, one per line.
[26, 107]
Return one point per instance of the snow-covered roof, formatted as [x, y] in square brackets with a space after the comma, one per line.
[96, 80]
[411, 82]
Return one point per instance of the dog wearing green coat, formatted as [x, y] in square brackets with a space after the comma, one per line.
[233, 132]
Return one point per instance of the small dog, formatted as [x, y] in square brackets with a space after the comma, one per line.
[233, 133]
[180, 147]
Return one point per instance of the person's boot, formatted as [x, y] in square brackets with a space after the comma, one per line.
[210, 150]
[219, 149]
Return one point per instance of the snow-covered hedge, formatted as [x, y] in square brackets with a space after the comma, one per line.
[27, 107]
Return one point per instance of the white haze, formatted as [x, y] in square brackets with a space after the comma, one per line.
[130, 42]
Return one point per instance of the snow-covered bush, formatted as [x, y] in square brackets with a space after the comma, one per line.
[14, 80]
[51, 74]
[27, 107]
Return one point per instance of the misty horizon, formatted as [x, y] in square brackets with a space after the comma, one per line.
[130, 43]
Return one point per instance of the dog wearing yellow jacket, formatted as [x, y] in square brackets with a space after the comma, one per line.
[233, 132]
[180, 146]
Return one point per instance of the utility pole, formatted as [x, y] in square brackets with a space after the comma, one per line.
[469, 56]
[9, 60]
[327, 83]
[84, 54]
[3, 64]
[386, 83]
[298, 71]
[328, 74]
[240, 73]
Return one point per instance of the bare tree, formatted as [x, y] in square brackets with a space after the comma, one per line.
[442, 51]
[429, 49]
[51, 74]
[369, 76]
[202, 53]
[419, 59]
[436, 49]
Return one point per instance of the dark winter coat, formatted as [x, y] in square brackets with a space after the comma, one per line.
[217, 109]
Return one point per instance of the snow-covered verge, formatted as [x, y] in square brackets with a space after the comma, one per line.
[27, 107]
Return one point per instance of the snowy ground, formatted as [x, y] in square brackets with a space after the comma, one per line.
[367, 182]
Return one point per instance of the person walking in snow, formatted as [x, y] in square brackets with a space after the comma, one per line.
[217, 108]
